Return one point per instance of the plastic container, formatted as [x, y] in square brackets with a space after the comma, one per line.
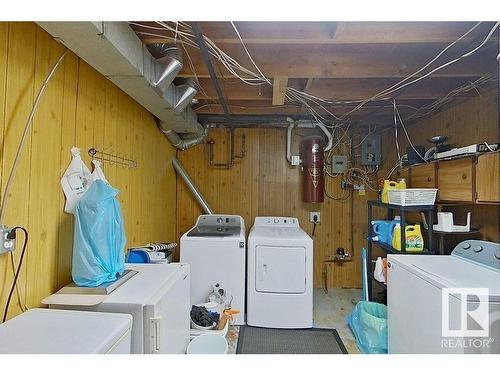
[383, 230]
[412, 197]
[414, 240]
[387, 185]
[208, 344]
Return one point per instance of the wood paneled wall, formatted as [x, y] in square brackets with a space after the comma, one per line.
[474, 120]
[263, 183]
[80, 107]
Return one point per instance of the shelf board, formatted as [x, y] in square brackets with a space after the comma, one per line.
[440, 233]
[402, 208]
[390, 250]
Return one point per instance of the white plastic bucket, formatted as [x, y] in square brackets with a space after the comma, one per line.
[208, 344]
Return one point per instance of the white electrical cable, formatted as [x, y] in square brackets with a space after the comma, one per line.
[27, 128]
[248, 54]
[406, 133]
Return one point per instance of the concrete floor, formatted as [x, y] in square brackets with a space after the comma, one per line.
[330, 311]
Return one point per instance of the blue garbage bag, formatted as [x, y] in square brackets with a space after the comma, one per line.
[368, 322]
[99, 241]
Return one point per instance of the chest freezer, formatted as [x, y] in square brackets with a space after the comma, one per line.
[157, 297]
[46, 331]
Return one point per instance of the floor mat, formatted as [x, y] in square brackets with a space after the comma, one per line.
[255, 340]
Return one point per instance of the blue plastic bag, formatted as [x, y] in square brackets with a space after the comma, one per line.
[368, 322]
[99, 242]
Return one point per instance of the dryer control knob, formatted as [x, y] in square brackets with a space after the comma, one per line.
[219, 220]
[478, 249]
[276, 221]
[497, 254]
[466, 245]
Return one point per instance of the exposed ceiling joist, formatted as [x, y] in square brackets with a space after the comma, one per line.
[275, 33]
[279, 89]
[340, 89]
[340, 62]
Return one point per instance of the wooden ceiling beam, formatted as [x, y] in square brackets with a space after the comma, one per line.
[363, 61]
[260, 108]
[279, 90]
[261, 33]
[340, 89]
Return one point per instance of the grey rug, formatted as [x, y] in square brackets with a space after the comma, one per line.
[255, 340]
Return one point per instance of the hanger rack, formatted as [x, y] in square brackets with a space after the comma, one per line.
[113, 159]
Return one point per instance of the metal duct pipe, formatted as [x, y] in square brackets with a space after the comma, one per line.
[197, 195]
[183, 144]
[184, 93]
[169, 58]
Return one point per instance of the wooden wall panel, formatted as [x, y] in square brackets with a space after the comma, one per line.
[82, 108]
[474, 120]
[263, 183]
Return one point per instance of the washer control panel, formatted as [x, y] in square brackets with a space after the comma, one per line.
[481, 252]
[276, 221]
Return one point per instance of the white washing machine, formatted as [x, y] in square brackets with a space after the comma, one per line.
[280, 274]
[425, 316]
[44, 331]
[215, 249]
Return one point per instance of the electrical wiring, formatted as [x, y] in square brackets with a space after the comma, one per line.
[16, 276]
[248, 54]
[396, 132]
[426, 110]
[26, 130]
[22, 304]
[406, 133]
[398, 86]
[253, 78]
[343, 198]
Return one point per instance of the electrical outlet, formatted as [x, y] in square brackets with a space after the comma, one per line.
[6, 245]
[314, 214]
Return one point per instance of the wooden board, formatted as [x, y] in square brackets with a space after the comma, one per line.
[456, 180]
[423, 176]
[488, 178]
[79, 108]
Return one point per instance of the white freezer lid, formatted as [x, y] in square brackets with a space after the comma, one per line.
[144, 286]
[140, 289]
[447, 271]
[47, 331]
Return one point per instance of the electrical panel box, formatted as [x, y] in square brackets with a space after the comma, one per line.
[370, 150]
[339, 164]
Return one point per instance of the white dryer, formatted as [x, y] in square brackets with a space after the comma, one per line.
[215, 249]
[280, 274]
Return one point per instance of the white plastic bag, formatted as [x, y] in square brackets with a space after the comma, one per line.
[75, 181]
[97, 173]
[378, 273]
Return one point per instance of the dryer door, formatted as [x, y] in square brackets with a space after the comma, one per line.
[280, 269]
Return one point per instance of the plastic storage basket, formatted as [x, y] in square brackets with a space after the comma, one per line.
[412, 197]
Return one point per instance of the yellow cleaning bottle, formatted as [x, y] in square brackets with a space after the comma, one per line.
[401, 184]
[413, 238]
[388, 185]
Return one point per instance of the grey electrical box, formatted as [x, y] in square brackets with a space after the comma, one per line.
[339, 163]
[370, 150]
